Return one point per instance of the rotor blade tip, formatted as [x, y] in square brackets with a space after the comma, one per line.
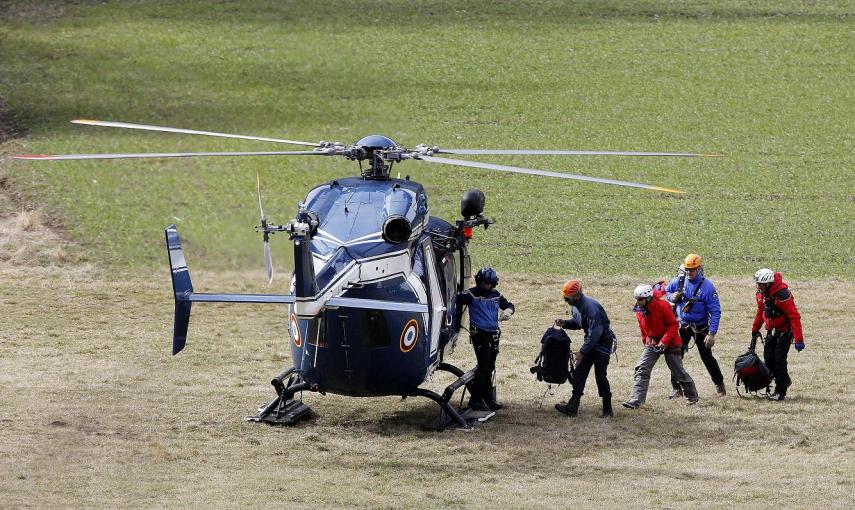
[668, 190]
[714, 155]
[83, 121]
[32, 156]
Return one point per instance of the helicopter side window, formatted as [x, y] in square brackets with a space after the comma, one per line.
[317, 334]
[375, 332]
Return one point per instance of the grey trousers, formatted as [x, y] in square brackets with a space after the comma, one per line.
[643, 369]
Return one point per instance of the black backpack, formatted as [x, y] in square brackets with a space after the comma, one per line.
[750, 371]
[552, 365]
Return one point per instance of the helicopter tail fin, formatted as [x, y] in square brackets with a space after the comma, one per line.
[183, 287]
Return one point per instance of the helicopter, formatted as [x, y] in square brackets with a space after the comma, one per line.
[371, 307]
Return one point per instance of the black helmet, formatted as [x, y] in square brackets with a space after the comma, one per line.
[487, 274]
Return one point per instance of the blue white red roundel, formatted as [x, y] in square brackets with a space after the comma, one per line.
[295, 331]
[410, 336]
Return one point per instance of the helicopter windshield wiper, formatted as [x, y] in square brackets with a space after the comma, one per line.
[544, 173]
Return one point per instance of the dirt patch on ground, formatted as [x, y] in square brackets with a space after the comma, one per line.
[26, 240]
[27, 236]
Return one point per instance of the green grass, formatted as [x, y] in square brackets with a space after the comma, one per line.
[767, 83]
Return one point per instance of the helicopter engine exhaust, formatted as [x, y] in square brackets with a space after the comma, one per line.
[396, 229]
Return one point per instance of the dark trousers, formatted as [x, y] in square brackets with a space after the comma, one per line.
[486, 345]
[686, 334]
[600, 362]
[775, 350]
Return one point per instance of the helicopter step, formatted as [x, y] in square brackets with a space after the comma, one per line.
[449, 416]
[282, 410]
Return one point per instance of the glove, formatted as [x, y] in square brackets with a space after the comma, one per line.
[506, 314]
[676, 297]
[800, 346]
[709, 341]
[559, 323]
[756, 335]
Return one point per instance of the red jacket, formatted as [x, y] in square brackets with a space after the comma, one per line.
[777, 309]
[658, 322]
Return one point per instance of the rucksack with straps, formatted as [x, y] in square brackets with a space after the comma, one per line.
[552, 365]
[750, 371]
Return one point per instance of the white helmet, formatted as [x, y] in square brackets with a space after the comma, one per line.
[764, 276]
[643, 291]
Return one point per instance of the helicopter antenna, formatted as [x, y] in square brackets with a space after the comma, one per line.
[268, 258]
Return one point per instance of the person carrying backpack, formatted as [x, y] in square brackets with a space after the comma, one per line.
[588, 315]
[699, 312]
[487, 306]
[776, 309]
[660, 336]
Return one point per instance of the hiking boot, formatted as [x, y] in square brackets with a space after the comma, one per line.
[678, 393]
[492, 401]
[571, 408]
[494, 405]
[607, 407]
[720, 390]
[631, 404]
[478, 404]
[692, 402]
[776, 397]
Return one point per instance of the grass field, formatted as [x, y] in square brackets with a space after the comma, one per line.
[95, 413]
[767, 83]
[99, 415]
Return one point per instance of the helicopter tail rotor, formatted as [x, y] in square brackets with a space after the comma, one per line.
[268, 258]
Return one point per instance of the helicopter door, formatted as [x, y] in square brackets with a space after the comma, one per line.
[434, 296]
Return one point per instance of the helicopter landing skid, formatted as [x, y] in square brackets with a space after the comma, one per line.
[450, 416]
[282, 410]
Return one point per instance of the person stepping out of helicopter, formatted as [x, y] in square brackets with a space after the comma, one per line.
[699, 312]
[587, 314]
[776, 309]
[660, 336]
[487, 306]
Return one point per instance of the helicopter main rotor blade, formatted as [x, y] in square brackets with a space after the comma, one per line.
[535, 152]
[268, 262]
[171, 155]
[532, 171]
[144, 127]
[258, 190]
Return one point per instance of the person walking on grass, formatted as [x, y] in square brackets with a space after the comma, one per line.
[699, 313]
[587, 314]
[776, 309]
[661, 337]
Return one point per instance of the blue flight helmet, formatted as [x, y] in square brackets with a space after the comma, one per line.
[487, 274]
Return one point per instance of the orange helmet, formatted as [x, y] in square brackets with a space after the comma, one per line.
[693, 261]
[571, 288]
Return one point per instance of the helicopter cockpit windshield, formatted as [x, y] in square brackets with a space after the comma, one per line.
[352, 213]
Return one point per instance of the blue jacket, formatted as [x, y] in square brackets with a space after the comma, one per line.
[588, 314]
[705, 310]
[483, 308]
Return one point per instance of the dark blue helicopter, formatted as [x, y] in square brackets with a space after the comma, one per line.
[372, 300]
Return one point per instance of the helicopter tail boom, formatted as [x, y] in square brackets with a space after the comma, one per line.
[182, 286]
